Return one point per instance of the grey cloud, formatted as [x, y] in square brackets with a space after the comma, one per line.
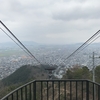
[76, 9]
[77, 13]
[41, 21]
[75, 0]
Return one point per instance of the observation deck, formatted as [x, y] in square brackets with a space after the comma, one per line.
[56, 90]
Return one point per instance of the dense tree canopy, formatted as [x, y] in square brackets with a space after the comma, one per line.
[78, 73]
[97, 74]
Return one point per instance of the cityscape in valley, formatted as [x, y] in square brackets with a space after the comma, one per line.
[12, 57]
[49, 50]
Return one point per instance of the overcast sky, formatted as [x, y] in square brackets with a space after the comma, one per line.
[50, 21]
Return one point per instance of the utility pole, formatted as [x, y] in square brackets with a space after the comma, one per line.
[93, 58]
[93, 68]
[94, 74]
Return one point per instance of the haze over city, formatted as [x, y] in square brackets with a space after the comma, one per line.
[50, 21]
[41, 40]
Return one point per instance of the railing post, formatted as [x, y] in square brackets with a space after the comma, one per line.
[87, 90]
[41, 90]
[59, 90]
[76, 90]
[53, 90]
[17, 95]
[21, 94]
[70, 90]
[34, 90]
[30, 91]
[98, 92]
[82, 90]
[47, 91]
[65, 89]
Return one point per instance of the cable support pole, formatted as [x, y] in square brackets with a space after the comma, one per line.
[19, 41]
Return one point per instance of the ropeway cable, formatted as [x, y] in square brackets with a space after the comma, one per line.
[20, 42]
[14, 41]
[90, 43]
[84, 45]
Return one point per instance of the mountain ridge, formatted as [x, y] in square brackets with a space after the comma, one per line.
[24, 74]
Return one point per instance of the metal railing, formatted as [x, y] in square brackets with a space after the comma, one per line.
[56, 90]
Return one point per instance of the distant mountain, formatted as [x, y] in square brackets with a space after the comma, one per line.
[25, 74]
[32, 43]
[29, 43]
[12, 44]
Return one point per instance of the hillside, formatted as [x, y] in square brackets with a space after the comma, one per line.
[21, 76]
[25, 74]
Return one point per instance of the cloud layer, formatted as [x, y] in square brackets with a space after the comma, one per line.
[51, 21]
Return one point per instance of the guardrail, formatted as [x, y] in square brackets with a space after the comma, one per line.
[56, 90]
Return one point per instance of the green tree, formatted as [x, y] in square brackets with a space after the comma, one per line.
[69, 74]
[86, 73]
[97, 74]
[78, 73]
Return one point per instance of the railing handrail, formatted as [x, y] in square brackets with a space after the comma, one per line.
[18, 89]
[55, 80]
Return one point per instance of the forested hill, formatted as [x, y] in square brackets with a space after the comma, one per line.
[21, 76]
[25, 74]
